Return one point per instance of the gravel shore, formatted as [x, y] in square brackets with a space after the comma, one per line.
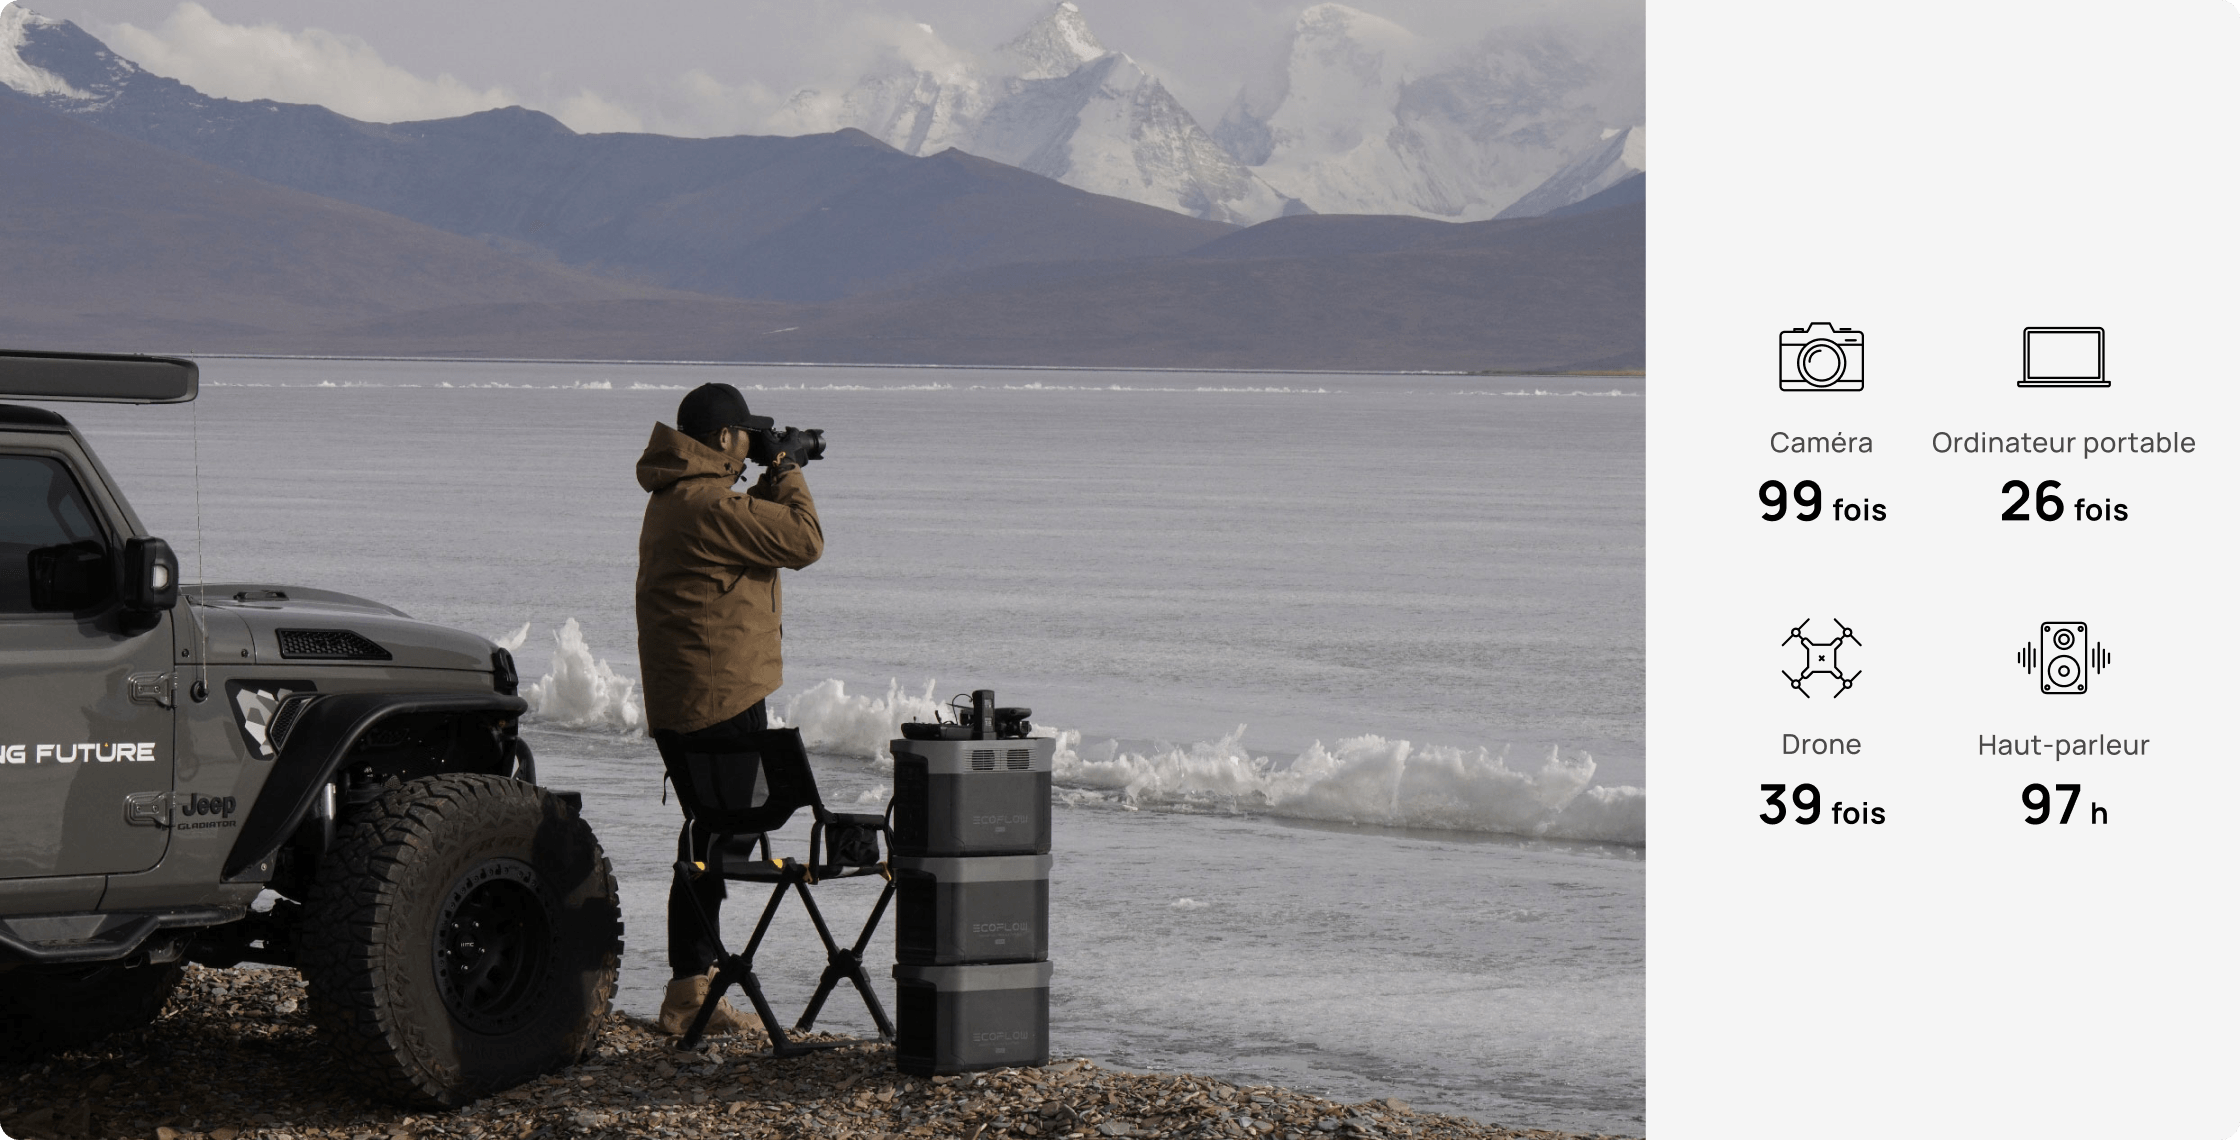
[234, 1058]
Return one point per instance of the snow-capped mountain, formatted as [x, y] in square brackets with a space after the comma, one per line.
[17, 25]
[1359, 116]
[1621, 156]
[1356, 115]
[60, 65]
[1054, 101]
[1363, 116]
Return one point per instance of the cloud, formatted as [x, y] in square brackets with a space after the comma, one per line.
[698, 104]
[266, 61]
[588, 112]
[334, 70]
[915, 43]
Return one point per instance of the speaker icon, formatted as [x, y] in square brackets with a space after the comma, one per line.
[2064, 658]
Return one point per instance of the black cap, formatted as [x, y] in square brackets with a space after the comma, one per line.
[710, 408]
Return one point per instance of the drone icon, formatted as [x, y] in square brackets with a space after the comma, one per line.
[1820, 657]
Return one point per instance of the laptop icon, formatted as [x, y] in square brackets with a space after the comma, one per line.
[2064, 358]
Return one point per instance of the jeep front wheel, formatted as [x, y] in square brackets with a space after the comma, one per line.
[462, 937]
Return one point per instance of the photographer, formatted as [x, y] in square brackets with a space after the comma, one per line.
[709, 618]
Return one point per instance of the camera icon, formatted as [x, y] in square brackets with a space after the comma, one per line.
[1823, 358]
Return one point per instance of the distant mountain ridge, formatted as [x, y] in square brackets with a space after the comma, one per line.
[116, 243]
[1629, 191]
[120, 245]
[795, 219]
[140, 215]
[1554, 295]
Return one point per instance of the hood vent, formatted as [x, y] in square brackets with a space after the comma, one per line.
[328, 645]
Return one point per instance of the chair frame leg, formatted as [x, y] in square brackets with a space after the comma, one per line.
[846, 964]
[738, 969]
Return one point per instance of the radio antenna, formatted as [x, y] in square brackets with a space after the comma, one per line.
[201, 690]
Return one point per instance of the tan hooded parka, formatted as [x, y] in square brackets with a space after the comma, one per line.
[708, 561]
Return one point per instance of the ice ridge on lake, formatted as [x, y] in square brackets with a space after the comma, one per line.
[1362, 779]
[581, 691]
[1372, 780]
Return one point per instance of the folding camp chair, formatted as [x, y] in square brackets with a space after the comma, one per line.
[738, 788]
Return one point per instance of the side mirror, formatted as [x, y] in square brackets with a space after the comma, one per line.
[151, 576]
[71, 577]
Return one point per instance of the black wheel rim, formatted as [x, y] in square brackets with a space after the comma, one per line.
[494, 947]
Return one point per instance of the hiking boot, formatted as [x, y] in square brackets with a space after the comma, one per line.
[683, 1000]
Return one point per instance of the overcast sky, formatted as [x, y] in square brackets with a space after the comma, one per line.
[698, 66]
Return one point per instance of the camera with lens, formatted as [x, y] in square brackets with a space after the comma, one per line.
[798, 444]
[1823, 358]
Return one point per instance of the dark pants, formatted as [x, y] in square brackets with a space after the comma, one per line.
[692, 948]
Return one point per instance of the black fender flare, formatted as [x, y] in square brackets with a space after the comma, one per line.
[325, 733]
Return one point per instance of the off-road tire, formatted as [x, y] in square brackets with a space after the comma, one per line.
[48, 1011]
[462, 936]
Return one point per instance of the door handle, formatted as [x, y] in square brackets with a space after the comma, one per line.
[152, 688]
[148, 809]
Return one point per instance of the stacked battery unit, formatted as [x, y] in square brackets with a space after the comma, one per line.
[971, 864]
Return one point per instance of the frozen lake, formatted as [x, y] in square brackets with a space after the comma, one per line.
[1348, 668]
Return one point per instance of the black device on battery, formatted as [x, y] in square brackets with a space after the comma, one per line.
[980, 720]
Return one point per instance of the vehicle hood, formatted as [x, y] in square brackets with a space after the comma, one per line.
[289, 624]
